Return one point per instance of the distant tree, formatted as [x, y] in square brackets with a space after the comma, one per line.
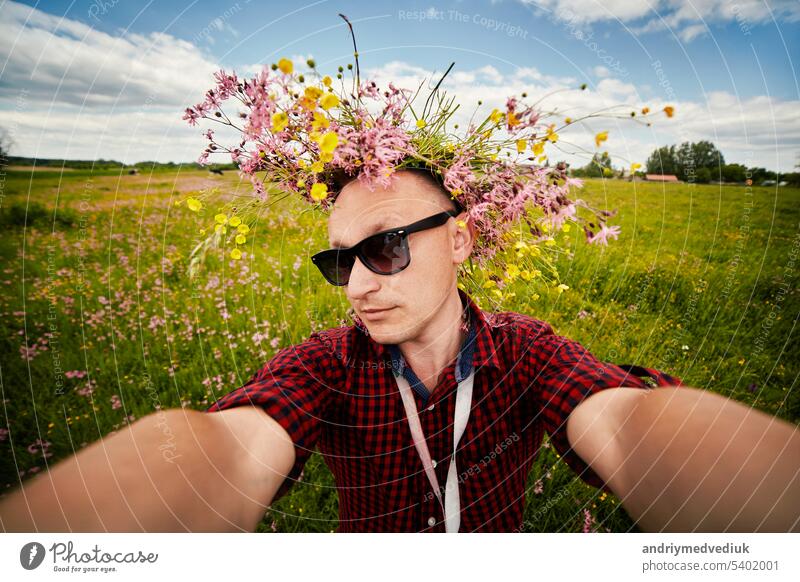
[693, 156]
[5, 147]
[685, 160]
[662, 161]
[703, 176]
[758, 175]
[599, 166]
[734, 173]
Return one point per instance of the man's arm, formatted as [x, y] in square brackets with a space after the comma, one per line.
[175, 470]
[683, 459]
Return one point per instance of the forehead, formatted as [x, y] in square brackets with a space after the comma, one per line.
[359, 212]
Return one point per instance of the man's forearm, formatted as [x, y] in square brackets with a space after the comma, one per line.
[692, 460]
[176, 470]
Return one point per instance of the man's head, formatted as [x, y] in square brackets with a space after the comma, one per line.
[416, 293]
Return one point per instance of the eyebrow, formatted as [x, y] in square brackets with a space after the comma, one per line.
[380, 225]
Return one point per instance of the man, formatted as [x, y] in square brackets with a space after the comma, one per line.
[680, 459]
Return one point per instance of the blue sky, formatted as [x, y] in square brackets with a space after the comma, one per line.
[106, 78]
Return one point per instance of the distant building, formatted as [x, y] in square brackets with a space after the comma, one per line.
[661, 178]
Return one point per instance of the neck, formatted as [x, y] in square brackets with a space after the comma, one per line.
[431, 352]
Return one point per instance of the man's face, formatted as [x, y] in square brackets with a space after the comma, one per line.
[413, 296]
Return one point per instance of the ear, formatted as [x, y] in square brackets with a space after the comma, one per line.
[463, 238]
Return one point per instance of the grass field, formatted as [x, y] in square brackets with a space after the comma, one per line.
[100, 323]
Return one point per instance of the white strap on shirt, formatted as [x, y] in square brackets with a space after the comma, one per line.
[451, 506]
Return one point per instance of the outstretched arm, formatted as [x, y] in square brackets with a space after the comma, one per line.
[683, 459]
[175, 470]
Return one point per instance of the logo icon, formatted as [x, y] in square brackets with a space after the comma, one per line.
[31, 555]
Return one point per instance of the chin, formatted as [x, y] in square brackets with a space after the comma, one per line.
[386, 333]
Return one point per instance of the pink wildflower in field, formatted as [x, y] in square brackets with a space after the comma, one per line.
[602, 236]
[3, 434]
[538, 487]
[588, 520]
[40, 446]
[116, 403]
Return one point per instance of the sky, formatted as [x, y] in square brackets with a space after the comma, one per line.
[110, 78]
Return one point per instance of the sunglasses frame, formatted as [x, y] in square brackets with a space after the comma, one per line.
[403, 231]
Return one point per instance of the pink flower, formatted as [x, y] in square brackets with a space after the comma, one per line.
[602, 236]
[116, 403]
[588, 520]
[40, 446]
[3, 434]
[538, 487]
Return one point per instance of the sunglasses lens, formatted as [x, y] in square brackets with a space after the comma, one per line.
[335, 266]
[386, 253]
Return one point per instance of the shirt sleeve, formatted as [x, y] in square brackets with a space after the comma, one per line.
[294, 389]
[565, 373]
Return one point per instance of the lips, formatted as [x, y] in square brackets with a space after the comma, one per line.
[372, 314]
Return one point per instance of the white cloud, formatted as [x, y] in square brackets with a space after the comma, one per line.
[687, 18]
[70, 91]
[62, 61]
[601, 71]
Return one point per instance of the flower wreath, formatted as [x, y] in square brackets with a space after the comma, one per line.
[302, 133]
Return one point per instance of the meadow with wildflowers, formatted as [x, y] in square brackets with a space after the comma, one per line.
[102, 324]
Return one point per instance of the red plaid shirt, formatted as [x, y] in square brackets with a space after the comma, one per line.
[336, 392]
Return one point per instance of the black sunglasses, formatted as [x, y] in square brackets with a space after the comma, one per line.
[385, 252]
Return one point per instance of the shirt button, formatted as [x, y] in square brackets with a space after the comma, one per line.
[431, 521]
[434, 464]
[431, 407]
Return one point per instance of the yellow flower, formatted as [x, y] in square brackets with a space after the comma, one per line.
[421, 123]
[567, 120]
[538, 148]
[669, 110]
[220, 228]
[561, 288]
[235, 221]
[301, 183]
[221, 218]
[279, 121]
[329, 101]
[320, 121]
[521, 145]
[319, 191]
[313, 93]
[635, 167]
[286, 66]
[565, 227]
[329, 142]
[645, 110]
[535, 296]
[236, 254]
[512, 120]
[325, 157]
[496, 116]
[317, 167]
[551, 135]
[326, 80]
[240, 239]
[489, 284]
[461, 224]
[243, 228]
[194, 204]
[526, 275]
[513, 271]
[600, 138]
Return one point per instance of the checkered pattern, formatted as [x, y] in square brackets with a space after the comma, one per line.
[335, 392]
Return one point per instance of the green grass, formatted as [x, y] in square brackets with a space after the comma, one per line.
[700, 284]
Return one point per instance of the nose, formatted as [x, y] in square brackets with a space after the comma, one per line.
[362, 281]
